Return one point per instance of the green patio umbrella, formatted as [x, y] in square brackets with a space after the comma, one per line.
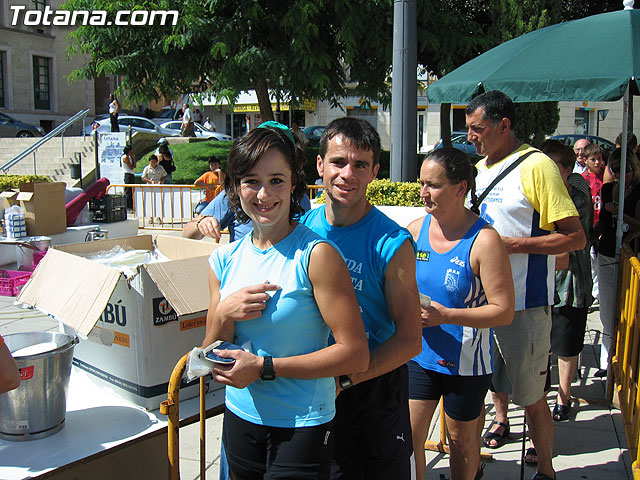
[593, 58]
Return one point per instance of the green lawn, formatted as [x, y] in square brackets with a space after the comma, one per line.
[191, 159]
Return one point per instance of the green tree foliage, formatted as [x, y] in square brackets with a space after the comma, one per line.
[296, 48]
[535, 121]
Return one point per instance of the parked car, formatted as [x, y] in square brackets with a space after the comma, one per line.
[313, 134]
[572, 138]
[459, 140]
[164, 115]
[137, 124]
[10, 127]
[175, 125]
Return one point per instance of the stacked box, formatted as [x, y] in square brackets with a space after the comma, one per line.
[11, 282]
[108, 202]
[14, 225]
[109, 208]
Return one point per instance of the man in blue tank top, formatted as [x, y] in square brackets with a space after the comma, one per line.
[373, 433]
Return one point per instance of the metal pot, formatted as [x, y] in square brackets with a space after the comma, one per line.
[37, 408]
[26, 248]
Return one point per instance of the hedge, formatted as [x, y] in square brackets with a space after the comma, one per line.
[385, 192]
[9, 182]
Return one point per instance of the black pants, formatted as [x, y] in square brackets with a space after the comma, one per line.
[114, 122]
[257, 452]
[373, 430]
[129, 178]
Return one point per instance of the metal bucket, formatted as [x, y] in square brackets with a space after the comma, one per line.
[37, 408]
[24, 254]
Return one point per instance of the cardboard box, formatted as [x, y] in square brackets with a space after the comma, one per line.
[137, 327]
[44, 207]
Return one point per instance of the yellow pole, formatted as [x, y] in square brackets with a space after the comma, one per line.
[171, 408]
[203, 418]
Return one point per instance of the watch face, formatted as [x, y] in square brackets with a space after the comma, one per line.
[345, 382]
[267, 372]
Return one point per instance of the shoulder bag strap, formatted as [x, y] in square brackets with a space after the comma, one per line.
[504, 173]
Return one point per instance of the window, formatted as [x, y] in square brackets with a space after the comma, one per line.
[39, 4]
[41, 83]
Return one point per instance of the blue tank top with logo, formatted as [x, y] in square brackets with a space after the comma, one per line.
[448, 279]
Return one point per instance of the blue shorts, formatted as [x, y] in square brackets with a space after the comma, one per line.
[463, 396]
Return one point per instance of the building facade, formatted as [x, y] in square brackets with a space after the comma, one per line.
[34, 69]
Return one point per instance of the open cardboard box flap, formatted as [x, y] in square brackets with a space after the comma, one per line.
[184, 283]
[87, 288]
[76, 290]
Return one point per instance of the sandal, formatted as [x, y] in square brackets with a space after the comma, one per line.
[480, 473]
[531, 456]
[561, 412]
[495, 436]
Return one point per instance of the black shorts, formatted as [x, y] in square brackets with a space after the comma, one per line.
[373, 430]
[567, 330]
[256, 451]
[463, 396]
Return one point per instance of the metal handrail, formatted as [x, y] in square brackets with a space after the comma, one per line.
[59, 129]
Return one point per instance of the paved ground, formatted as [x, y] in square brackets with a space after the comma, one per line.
[591, 445]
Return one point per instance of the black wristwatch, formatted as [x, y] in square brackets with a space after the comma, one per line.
[345, 382]
[267, 372]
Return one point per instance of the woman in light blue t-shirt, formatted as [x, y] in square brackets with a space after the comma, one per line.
[279, 292]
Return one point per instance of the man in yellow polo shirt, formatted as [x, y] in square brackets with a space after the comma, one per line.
[532, 211]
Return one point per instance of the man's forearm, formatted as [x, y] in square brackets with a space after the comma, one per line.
[552, 244]
[191, 230]
[396, 351]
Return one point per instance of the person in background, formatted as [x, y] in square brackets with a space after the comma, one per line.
[461, 264]
[280, 394]
[606, 229]
[114, 110]
[302, 138]
[9, 374]
[573, 284]
[594, 177]
[581, 161]
[161, 141]
[212, 181]
[372, 425]
[165, 159]
[632, 144]
[533, 213]
[154, 173]
[128, 166]
[197, 116]
[217, 216]
[209, 125]
[187, 122]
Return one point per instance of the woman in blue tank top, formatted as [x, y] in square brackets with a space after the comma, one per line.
[461, 264]
[279, 293]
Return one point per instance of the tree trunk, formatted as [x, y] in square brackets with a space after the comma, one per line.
[262, 93]
[445, 124]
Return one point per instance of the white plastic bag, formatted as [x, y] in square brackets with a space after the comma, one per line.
[197, 363]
